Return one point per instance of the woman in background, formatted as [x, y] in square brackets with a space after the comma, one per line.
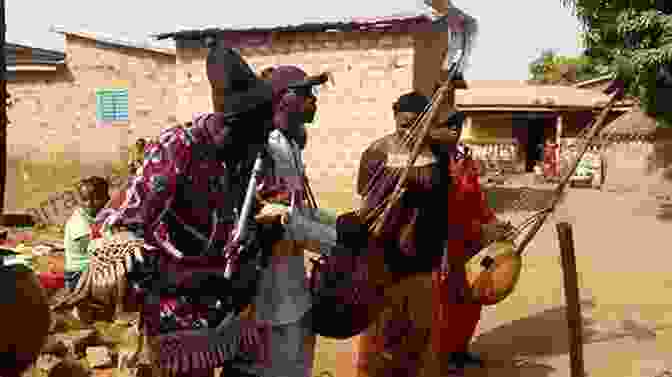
[137, 155]
[551, 158]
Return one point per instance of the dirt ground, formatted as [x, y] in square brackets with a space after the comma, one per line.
[623, 259]
[623, 262]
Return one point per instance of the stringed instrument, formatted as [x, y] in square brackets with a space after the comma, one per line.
[493, 272]
[453, 63]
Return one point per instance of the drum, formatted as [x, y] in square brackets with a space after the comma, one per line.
[341, 286]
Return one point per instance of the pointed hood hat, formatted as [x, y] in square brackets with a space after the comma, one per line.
[234, 85]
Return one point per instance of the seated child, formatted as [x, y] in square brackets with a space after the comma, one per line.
[80, 228]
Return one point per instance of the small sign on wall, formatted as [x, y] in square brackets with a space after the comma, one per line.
[112, 105]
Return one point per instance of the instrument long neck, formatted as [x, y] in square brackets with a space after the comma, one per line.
[595, 130]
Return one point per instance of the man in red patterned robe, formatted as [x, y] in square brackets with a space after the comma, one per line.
[183, 203]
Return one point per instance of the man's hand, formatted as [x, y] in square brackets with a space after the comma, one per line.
[271, 213]
[116, 229]
[495, 231]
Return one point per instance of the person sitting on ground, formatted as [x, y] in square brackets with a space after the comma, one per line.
[80, 228]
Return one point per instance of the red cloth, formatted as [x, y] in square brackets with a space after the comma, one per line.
[551, 160]
[455, 321]
[51, 280]
[95, 231]
[118, 198]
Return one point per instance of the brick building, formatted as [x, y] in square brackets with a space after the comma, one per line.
[524, 116]
[58, 107]
[372, 66]
[371, 69]
[55, 97]
[58, 110]
[386, 57]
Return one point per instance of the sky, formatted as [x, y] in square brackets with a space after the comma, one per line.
[512, 33]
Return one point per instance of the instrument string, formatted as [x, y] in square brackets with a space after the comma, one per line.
[587, 136]
[384, 174]
[582, 141]
[603, 141]
[411, 141]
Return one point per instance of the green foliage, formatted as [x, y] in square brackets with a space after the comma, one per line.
[551, 68]
[635, 38]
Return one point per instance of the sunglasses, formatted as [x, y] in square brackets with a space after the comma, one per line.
[309, 91]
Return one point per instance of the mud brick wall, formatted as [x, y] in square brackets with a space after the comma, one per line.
[55, 112]
[58, 110]
[629, 166]
[370, 70]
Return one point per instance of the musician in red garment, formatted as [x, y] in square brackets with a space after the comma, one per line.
[471, 224]
[448, 214]
[551, 154]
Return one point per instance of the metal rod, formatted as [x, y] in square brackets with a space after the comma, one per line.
[246, 210]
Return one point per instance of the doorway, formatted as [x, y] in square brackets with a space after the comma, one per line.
[535, 143]
[531, 130]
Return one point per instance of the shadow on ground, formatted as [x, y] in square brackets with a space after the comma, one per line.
[511, 349]
[504, 199]
[665, 211]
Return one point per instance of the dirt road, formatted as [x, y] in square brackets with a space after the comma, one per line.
[624, 261]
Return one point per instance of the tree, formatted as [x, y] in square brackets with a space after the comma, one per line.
[635, 38]
[553, 69]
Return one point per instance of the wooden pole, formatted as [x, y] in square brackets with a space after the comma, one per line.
[3, 108]
[573, 313]
[558, 141]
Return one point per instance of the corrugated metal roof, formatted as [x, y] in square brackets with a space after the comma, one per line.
[396, 22]
[595, 81]
[548, 96]
[473, 84]
[21, 55]
[115, 41]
